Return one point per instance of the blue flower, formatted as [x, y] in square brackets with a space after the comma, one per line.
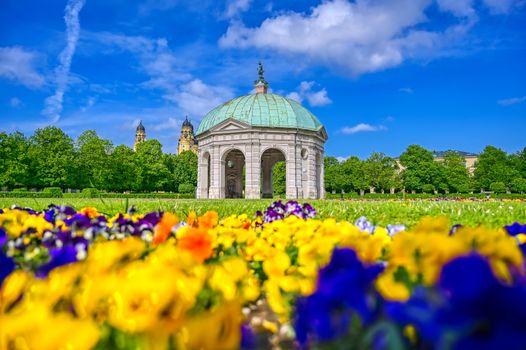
[248, 339]
[515, 229]
[7, 265]
[344, 290]
[3, 237]
[469, 309]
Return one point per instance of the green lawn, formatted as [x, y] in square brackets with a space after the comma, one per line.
[381, 212]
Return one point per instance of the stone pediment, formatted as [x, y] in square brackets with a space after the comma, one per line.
[230, 124]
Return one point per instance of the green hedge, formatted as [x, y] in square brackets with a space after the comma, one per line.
[53, 192]
[399, 195]
[90, 192]
[186, 188]
[26, 194]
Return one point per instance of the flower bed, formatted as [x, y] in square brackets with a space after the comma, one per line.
[283, 279]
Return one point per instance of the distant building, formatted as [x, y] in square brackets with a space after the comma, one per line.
[469, 159]
[140, 135]
[187, 141]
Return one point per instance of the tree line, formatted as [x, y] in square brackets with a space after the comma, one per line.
[50, 158]
[418, 171]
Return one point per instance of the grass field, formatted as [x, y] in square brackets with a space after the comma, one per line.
[493, 214]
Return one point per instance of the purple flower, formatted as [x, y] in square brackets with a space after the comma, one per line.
[364, 225]
[67, 254]
[279, 211]
[308, 211]
[394, 229]
[454, 229]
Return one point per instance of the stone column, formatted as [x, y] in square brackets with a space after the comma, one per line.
[293, 171]
[322, 176]
[215, 178]
[199, 190]
[312, 174]
[253, 172]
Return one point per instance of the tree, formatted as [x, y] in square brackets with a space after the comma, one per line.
[93, 156]
[331, 167]
[14, 161]
[518, 185]
[420, 169]
[279, 185]
[455, 173]
[52, 159]
[152, 173]
[351, 176]
[494, 165]
[122, 171]
[185, 170]
[380, 171]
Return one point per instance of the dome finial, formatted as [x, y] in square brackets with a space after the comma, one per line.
[261, 83]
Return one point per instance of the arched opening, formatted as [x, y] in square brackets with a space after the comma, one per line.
[272, 159]
[234, 180]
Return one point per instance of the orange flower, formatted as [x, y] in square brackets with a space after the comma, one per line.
[208, 220]
[198, 242]
[164, 228]
[89, 212]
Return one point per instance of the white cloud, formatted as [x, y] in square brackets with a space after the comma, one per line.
[89, 103]
[512, 101]
[53, 104]
[234, 7]
[362, 127]
[15, 102]
[361, 36]
[458, 7]
[406, 90]
[342, 159]
[501, 6]
[166, 72]
[18, 64]
[169, 123]
[196, 98]
[305, 91]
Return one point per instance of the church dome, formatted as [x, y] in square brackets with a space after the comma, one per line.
[262, 110]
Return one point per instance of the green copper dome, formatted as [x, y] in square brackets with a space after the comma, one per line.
[263, 110]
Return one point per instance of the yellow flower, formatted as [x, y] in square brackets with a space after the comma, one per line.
[391, 289]
[38, 328]
[218, 329]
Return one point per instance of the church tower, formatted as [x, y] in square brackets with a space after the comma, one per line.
[140, 135]
[187, 141]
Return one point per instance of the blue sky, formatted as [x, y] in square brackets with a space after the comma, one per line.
[380, 74]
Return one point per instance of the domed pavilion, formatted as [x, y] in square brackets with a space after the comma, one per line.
[241, 140]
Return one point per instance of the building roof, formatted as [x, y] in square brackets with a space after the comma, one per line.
[439, 154]
[262, 110]
[140, 127]
[187, 123]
